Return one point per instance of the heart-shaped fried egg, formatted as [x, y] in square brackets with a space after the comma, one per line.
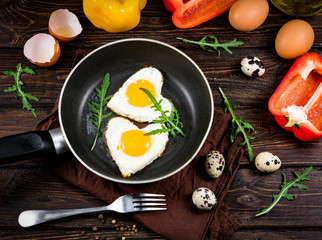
[130, 148]
[129, 101]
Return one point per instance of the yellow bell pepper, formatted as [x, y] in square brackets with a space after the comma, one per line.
[114, 15]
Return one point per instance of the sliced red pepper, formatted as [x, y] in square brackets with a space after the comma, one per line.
[190, 13]
[297, 102]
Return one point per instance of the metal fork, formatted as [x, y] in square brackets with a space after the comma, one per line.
[125, 204]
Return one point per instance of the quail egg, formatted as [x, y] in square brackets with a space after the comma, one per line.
[267, 162]
[204, 198]
[252, 66]
[214, 164]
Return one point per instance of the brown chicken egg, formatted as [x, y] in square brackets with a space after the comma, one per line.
[247, 15]
[294, 39]
[42, 49]
[64, 25]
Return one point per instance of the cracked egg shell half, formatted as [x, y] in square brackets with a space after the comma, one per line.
[64, 25]
[131, 102]
[130, 148]
[42, 49]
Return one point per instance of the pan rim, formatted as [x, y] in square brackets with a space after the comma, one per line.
[135, 181]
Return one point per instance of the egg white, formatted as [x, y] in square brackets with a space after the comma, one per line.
[128, 164]
[120, 105]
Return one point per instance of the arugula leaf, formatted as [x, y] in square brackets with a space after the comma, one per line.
[17, 87]
[215, 44]
[238, 125]
[170, 123]
[97, 108]
[285, 187]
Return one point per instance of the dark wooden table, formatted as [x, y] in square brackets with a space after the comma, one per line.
[27, 185]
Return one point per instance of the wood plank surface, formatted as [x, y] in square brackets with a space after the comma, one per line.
[27, 185]
[246, 197]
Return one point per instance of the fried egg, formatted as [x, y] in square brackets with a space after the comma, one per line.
[130, 148]
[129, 101]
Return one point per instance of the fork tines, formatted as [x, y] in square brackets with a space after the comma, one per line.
[149, 201]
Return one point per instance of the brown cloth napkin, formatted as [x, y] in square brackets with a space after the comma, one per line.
[182, 220]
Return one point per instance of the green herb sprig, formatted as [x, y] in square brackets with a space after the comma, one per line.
[170, 123]
[215, 44]
[285, 187]
[17, 87]
[238, 125]
[97, 108]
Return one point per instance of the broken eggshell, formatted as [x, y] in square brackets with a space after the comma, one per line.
[267, 162]
[204, 198]
[214, 164]
[64, 25]
[42, 49]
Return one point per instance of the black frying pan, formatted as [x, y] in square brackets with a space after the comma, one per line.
[184, 84]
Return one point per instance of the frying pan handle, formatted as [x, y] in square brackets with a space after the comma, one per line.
[31, 145]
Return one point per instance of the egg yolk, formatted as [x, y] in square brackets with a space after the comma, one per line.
[137, 97]
[134, 143]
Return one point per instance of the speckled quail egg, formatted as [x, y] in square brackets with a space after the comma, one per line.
[267, 162]
[214, 164]
[204, 198]
[252, 66]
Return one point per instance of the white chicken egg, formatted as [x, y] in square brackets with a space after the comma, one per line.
[130, 148]
[129, 101]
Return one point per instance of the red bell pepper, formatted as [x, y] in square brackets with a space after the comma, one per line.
[297, 102]
[190, 13]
